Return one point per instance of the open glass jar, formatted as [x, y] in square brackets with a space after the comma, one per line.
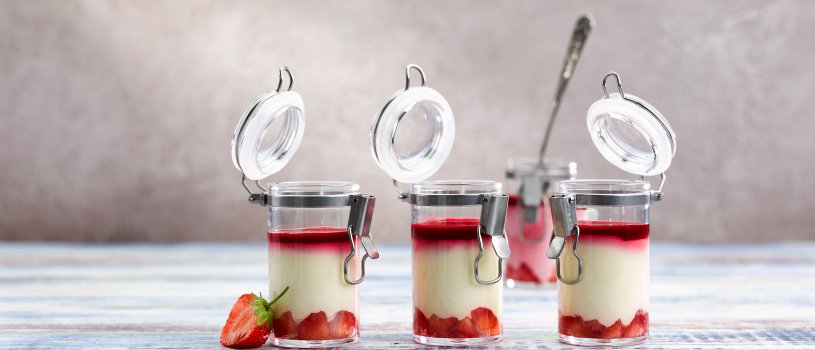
[457, 229]
[601, 227]
[529, 220]
[318, 231]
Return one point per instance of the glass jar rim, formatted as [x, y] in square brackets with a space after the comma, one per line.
[313, 188]
[604, 186]
[456, 187]
[553, 168]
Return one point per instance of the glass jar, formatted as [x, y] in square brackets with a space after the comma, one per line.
[313, 253]
[605, 299]
[529, 220]
[317, 231]
[456, 290]
[600, 240]
[456, 280]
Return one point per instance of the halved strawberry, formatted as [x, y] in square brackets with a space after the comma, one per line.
[464, 329]
[284, 326]
[571, 325]
[344, 325]
[314, 327]
[613, 331]
[485, 322]
[440, 327]
[420, 323]
[638, 326]
[249, 322]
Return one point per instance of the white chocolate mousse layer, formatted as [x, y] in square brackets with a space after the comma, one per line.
[314, 274]
[443, 280]
[615, 280]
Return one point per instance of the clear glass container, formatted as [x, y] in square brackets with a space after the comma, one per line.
[308, 246]
[608, 303]
[529, 220]
[451, 307]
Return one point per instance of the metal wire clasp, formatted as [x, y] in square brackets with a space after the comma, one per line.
[359, 225]
[564, 219]
[493, 219]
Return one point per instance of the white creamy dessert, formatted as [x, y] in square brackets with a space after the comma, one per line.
[612, 271]
[319, 305]
[443, 281]
[315, 281]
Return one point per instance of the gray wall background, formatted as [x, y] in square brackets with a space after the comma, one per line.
[116, 116]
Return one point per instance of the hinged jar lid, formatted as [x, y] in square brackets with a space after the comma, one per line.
[630, 133]
[269, 132]
[411, 137]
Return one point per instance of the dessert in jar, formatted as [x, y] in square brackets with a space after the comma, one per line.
[457, 227]
[601, 227]
[529, 220]
[318, 231]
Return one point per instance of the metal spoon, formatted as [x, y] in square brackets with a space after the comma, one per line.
[582, 29]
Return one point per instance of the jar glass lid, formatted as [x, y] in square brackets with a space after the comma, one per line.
[630, 133]
[269, 132]
[412, 135]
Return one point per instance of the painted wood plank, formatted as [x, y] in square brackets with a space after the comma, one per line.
[78, 296]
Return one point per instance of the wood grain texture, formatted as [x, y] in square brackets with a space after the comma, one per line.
[177, 297]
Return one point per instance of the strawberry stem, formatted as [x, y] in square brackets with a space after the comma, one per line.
[279, 296]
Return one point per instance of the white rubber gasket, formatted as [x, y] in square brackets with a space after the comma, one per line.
[643, 120]
[286, 107]
[387, 121]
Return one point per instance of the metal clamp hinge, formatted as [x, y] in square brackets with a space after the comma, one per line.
[359, 225]
[532, 189]
[492, 223]
[564, 220]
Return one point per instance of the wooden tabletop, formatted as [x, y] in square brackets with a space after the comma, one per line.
[71, 296]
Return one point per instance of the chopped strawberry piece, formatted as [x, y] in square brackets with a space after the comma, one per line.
[638, 326]
[524, 273]
[241, 330]
[575, 326]
[571, 325]
[284, 326]
[314, 327]
[553, 276]
[613, 331]
[420, 323]
[344, 325]
[464, 329]
[486, 322]
[592, 329]
[440, 327]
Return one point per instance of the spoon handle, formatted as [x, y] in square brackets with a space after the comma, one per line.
[581, 32]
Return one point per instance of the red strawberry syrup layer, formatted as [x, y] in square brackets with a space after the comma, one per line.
[316, 326]
[481, 322]
[528, 263]
[441, 232]
[321, 238]
[576, 326]
[629, 235]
